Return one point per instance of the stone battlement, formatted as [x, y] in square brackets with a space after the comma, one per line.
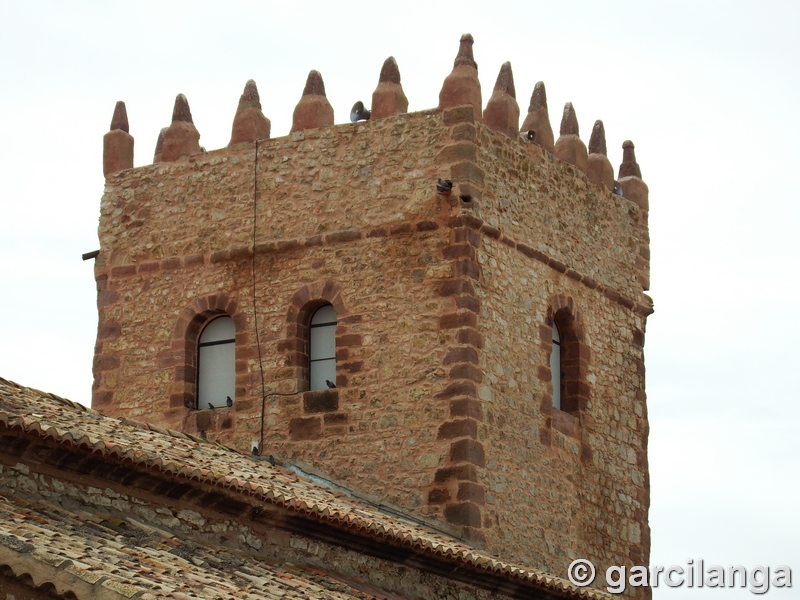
[313, 120]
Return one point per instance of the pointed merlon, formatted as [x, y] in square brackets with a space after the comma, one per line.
[630, 177]
[629, 166]
[120, 118]
[390, 72]
[462, 85]
[180, 111]
[464, 56]
[249, 123]
[159, 145]
[118, 143]
[314, 85]
[388, 98]
[598, 167]
[502, 111]
[181, 138]
[313, 110]
[538, 119]
[538, 97]
[569, 121]
[249, 97]
[597, 143]
[569, 146]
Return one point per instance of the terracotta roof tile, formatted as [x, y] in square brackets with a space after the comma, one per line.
[176, 453]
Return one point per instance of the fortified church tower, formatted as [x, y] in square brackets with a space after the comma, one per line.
[473, 289]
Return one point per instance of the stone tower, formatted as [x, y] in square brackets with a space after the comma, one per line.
[474, 292]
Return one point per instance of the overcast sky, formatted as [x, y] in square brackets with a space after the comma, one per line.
[708, 91]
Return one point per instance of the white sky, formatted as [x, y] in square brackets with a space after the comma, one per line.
[707, 90]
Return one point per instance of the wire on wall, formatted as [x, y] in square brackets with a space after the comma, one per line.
[255, 307]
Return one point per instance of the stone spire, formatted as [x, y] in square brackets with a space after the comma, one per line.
[635, 190]
[118, 143]
[181, 138]
[538, 119]
[502, 111]
[249, 124]
[313, 110]
[388, 98]
[630, 177]
[159, 145]
[120, 118]
[598, 167]
[569, 146]
[629, 166]
[462, 85]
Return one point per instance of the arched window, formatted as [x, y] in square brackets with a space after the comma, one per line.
[555, 367]
[322, 348]
[216, 364]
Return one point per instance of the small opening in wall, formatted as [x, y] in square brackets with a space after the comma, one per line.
[465, 198]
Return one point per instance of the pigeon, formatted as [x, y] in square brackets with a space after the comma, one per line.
[188, 403]
[255, 451]
[271, 460]
[229, 401]
[211, 406]
[444, 187]
[617, 188]
[330, 384]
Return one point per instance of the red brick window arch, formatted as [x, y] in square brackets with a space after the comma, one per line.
[568, 360]
[318, 317]
[186, 350]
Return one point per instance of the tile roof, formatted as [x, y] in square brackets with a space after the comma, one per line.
[173, 454]
[134, 559]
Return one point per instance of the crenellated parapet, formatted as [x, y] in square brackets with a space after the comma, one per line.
[460, 87]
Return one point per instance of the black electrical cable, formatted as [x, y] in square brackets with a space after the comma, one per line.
[255, 309]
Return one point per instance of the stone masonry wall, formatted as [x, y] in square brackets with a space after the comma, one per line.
[560, 485]
[554, 209]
